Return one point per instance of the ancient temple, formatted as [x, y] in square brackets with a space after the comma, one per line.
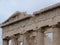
[30, 29]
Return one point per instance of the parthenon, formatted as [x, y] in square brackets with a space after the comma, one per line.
[30, 29]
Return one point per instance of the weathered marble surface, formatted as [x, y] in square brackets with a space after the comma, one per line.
[28, 28]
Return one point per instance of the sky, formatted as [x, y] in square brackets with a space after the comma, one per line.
[8, 7]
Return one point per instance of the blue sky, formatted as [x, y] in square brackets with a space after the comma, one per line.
[8, 7]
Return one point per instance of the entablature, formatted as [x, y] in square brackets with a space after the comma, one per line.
[17, 16]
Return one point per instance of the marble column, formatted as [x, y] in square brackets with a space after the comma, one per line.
[32, 38]
[25, 42]
[40, 38]
[5, 42]
[56, 36]
[31, 41]
[14, 41]
[20, 40]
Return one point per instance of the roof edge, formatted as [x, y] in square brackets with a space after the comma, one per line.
[3, 25]
[47, 8]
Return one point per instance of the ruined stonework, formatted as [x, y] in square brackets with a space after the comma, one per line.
[31, 29]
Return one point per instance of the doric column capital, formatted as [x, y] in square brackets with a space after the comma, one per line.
[44, 28]
[56, 25]
[15, 36]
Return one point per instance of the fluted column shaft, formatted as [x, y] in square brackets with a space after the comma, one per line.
[14, 41]
[25, 42]
[56, 36]
[5, 42]
[40, 38]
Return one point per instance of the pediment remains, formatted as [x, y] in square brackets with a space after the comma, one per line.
[17, 16]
